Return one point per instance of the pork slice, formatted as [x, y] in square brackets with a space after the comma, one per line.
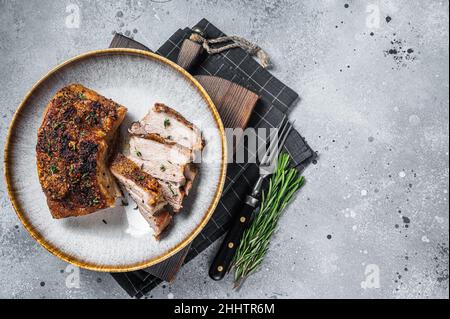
[156, 216]
[174, 193]
[142, 187]
[190, 172]
[158, 222]
[170, 125]
[159, 158]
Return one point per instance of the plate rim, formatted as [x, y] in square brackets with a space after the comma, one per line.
[78, 261]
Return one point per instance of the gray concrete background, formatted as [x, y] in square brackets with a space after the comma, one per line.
[375, 105]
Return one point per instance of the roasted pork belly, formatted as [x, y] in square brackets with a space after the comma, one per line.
[144, 190]
[170, 125]
[142, 187]
[72, 151]
[158, 222]
[164, 143]
[174, 194]
[167, 161]
[190, 172]
[160, 158]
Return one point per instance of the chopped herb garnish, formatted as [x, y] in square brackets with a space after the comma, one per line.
[53, 169]
[104, 222]
[95, 201]
[162, 168]
[171, 190]
[92, 118]
[72, 169]
[169, 137]
[141, 178]
[166, 123]
[136, 208]
[138, 154]
[82, 134]
[85, 175]
[124, 203]
[73, 146]
[81, 96]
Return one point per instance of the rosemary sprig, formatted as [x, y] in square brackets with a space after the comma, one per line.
[283, 185]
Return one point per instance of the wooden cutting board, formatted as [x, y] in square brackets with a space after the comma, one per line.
[234, 102]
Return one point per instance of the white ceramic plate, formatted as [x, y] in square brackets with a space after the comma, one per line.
[135, 79]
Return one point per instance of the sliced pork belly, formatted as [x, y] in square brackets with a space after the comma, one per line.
[160, 158]
[158, 222]
[168, 162]
[174, 193]
[190, 172]
[170, 125]
[164, 145]
[156, 216]
[143, 188]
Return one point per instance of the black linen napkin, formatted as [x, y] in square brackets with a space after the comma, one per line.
[276, 99]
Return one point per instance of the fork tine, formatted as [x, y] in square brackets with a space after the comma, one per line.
[272, 134]
[273, 148]
[282, 120]
[281, 126]
[284, 139]
[256, 156]
[281, 142]
[273, 145]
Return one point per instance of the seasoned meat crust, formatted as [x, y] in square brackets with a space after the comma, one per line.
[127, 169]
[73, 149]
